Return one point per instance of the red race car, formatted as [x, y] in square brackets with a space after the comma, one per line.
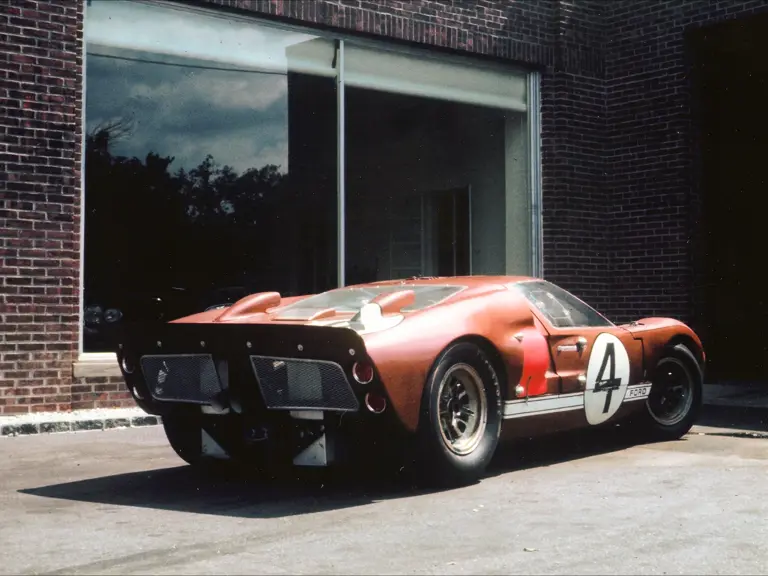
[442, 369]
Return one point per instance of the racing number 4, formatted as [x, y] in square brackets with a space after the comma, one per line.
[611, 383]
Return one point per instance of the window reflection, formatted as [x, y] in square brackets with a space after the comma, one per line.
[205, 181]
[211, 163]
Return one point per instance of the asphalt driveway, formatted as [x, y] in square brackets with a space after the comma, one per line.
[121, 502]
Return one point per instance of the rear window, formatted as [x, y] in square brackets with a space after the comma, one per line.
[352, 299]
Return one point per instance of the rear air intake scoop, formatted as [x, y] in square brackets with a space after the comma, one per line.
[394, 302]
[254, 304]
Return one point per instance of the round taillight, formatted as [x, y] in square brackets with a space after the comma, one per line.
[135, 392]
[375, 402]
[362, 372]
[127, 365]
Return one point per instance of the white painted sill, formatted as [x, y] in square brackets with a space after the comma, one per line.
[96, 365]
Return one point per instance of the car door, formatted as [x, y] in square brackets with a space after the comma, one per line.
[574, 330]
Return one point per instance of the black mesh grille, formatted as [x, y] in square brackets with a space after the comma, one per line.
[181, 378]
[291, 384]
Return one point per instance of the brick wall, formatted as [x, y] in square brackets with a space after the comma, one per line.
[40, 79]
[616, 137]
[651, 152]
[576, 239]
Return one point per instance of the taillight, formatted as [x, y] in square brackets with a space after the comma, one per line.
[362, 372]
[127, 365]
[375, 402]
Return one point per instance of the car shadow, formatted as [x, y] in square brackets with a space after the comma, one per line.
[240, 494]
[237, 494]
[558, 448]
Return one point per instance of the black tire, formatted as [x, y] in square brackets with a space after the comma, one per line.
[647, 425]
[436, 462]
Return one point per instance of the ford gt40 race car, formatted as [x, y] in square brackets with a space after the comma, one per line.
[441, 368]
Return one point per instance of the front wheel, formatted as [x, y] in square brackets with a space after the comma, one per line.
[461, 416]
[675, 399]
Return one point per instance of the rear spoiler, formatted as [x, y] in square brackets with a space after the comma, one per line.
[234, 341]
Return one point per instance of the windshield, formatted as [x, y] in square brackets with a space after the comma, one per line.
[561, 308]
[352, 299]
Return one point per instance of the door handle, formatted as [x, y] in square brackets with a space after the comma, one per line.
[579, 346]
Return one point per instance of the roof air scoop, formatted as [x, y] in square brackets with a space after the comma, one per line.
[322, 314]
[384, 311]
[257, 303]
[394, 302]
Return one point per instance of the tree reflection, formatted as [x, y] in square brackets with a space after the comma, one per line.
[149, 229]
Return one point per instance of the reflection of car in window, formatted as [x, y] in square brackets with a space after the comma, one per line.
[100, 316]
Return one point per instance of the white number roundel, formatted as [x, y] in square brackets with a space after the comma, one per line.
[607, 378]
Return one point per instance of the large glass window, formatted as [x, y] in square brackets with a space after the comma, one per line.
[210, 162]
[214, 147]
[437, 171]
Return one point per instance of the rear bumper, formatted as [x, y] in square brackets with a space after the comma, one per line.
[282, 383]
[270, 367]
[289, 387]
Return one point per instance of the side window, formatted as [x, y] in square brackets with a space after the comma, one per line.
[561, 308]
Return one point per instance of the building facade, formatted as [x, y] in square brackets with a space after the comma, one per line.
[178, 153]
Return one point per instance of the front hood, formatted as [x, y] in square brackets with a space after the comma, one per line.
[648, 324]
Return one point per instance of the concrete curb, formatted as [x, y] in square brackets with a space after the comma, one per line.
[78, 421]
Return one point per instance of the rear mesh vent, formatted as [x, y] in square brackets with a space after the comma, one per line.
[181, 377]
[290, 384]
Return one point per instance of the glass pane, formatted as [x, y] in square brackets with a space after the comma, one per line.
[434, 188]
[351, 299]
[560, 307]
[210, 165]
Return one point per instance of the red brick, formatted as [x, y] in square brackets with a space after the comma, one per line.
[43, 408]
[14, 409]
[48, 45]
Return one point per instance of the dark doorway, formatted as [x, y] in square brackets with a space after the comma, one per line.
[730, 95]
[446, 232]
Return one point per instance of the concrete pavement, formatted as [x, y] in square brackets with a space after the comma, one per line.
[121, 502]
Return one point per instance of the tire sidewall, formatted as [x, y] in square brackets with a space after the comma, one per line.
[683, 355]
[435, 453]
[183, 431]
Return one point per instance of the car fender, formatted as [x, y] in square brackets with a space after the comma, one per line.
[657, 334]
[405, 355]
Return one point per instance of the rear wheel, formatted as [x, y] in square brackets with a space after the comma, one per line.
[461, 417]
[675, 399]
